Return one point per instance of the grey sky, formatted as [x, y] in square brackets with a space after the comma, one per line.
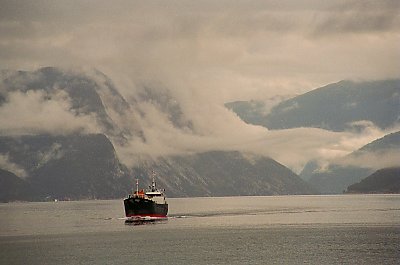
[240, 48]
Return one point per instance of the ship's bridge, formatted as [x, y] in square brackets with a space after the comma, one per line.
[153, 193]
[156, 197]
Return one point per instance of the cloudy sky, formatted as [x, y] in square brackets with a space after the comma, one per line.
[211, 52]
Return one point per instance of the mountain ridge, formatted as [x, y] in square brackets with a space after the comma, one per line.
[386, 180]
[338, 176]
[332, 107]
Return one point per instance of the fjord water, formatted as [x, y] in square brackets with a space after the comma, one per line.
[342, 229]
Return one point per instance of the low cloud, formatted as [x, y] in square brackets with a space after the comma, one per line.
[35, 112]
[53, 153]
[177, 122]
[216, 128]
[6, 164]
[375, 160]
[353, 17]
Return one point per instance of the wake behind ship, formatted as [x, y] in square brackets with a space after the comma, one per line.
[149, 205]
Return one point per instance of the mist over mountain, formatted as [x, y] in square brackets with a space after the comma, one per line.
[156, 128]
[337, 176]
[345, 107]
[162, 99]
[255, 111]
[75, 132]
[88, 101]
[334, 107]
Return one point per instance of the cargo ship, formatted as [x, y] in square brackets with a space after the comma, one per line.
[143, 206]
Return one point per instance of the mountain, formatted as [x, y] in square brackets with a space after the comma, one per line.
[82, 165]
[74, 166]
[12, 187]
[89, 94]
[333, 107]
[337, 177]
[86, 166]
[388, 142]
[220, 173]
[385, 180]
[162, 99]
[252, 112]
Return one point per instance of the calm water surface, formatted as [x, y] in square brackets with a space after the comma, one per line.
[343, 229]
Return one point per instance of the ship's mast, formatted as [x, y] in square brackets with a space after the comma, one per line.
[153, 183]
[137, 186]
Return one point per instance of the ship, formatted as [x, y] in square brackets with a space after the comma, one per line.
[146, 206]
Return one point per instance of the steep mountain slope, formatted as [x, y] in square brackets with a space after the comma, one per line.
[337, 177]
[75, 166]
[85, 166]
[385, 180]
[165, 103]
[12, 187]
[93, 95]
[388, 142]
[224, 174]
[251, 112]
[332, 107]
